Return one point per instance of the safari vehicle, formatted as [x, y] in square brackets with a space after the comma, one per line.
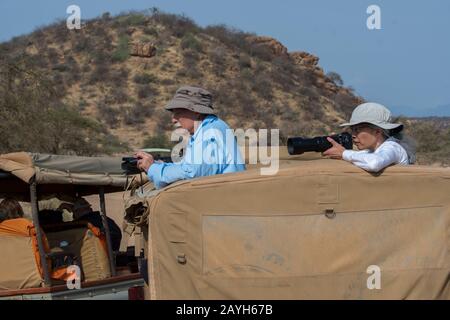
[30, 268]
[317, 229]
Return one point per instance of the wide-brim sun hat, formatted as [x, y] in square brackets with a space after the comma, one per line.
[373, 113]
[192, 98]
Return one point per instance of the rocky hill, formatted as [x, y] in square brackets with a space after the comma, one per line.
[120, 71]
[102, 89]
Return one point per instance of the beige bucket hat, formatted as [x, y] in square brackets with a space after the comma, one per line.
[373, 113]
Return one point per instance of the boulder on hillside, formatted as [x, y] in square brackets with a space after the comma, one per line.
[142, 49]
[274, 45]
[304, 58]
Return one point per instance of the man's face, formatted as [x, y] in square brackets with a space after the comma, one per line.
[365, 137]
[186, 119]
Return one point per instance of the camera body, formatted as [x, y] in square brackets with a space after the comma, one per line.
[129, 165]
[299, 145]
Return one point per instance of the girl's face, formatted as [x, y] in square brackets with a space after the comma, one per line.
[366, 137]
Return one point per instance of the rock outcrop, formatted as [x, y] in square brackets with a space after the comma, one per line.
[274, 45]
[141, 49]
[304, 58]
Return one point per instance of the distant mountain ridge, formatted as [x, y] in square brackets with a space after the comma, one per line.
[439, 111]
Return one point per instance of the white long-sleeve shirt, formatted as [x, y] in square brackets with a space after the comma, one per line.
[389, 152]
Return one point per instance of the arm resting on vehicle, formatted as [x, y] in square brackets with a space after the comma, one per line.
[372, 162]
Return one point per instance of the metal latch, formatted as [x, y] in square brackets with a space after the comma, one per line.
[181, 259]
[330, 213]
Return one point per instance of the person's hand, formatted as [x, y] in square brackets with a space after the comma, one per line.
[145, 160]
[336, 151]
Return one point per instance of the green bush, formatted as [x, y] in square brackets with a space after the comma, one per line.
[178, 25]
[263, 87]
[122, 51]
[336, 78]
[150, 31]
[144, 78]
[136, 19]
[157, 141]
[245, 61]
[230, 37]
[189, 41]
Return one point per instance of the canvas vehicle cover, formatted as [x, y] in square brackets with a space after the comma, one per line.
[58, 173]
[313, 230]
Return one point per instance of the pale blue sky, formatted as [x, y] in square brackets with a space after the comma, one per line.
[405, 65]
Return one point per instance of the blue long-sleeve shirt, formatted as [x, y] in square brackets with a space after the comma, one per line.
[211, 150]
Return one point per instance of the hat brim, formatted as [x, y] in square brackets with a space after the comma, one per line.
[183, 104]
[386, 126]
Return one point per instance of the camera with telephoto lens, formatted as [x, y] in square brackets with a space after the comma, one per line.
[299, 145]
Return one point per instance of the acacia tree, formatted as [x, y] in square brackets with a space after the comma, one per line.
[33, 118]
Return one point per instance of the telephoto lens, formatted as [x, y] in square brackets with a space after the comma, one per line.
[299, 145]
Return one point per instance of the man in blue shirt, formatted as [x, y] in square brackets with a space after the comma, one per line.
[211, 149]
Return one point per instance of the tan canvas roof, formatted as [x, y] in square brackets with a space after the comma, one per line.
[81, 173]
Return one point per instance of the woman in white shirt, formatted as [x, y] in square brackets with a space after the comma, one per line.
[380, 141]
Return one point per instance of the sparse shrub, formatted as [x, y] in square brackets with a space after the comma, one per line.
[244, 61]
[178, 25]
[283, 72]
[164, 122]
[146, 91]
[118, 78]
[166, 66]
[190, 61]
[181, 73]
[142, 92]
[122, 51]
[151, 31]
[345, 103]
[136, 19]
[217, 56]
[82, 104]
[61, 33]
[62, 67]
[137, 114]
[99, 74]
[144, 78]
[230, 37]
[52, 56]
[190, 42]
[336, 78]
[86, 68]
[247, 75]
[167, 82]
[158, 141]
[106, 16]
[82, 43]
[261, 51]
[263, 87]
[314, 110]
[108, 114]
